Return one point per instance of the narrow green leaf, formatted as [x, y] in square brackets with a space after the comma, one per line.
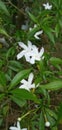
[1, 96]
[33, 18]
[55, 61]
[10, 52]
[24, 94]
[41, 122]
[48, 31]
[2, 79]
[2, 31]
[51, 113]
[4, 8]
[54, 128]
[55, 85]
[57, 29]
[18, 101]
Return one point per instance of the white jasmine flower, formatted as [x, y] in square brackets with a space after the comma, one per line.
[30, 52]
[17, 128]
[47, 6]
[36, 55]
[47, 124]
[26, 52]
[36, 35]
[28, 84]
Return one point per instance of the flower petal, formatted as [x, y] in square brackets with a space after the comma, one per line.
[18, 125]
[13, 128]
[30, 79]
[20, 55]
[37, 34]
[41, 51]
[32, 61]
[21, 44]
[29, 45]
[23, 81]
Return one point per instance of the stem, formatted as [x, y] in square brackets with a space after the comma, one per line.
[34, 110]
[21, 11]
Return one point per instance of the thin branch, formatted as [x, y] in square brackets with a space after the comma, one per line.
[20, 10]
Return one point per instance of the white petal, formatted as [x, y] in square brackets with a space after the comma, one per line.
[23, 81]
[29, 44]
[37, 34]
[41, 51]
[30, 79]
[32, 61]
[44, 5]
[21, 44]
[32, 86]
[13, 128]
[18, 125]
[20, 55]
[24, 87]
[27, 57]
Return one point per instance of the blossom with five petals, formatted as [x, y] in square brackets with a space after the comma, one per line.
[47, 6]
[30, 52]
[28, 84]
[26, 52]
[17, 128]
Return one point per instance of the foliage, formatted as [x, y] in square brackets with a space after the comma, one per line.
[34, 106]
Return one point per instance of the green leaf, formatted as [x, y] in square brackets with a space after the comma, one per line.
[33, 18]
[3, 8]
[60, 113]
[15, 65]
[51, 120]
[51, 113]
[24, 94]
[54, 85]
[2, 79]
[18, 101]
[5, 110]
[1, 121]
[54, 128]
[18, 77]
[2, 31]
[57, 29]
[41, 122]
[55, 61]
[48, 31]
[10, 52]
[1, 96]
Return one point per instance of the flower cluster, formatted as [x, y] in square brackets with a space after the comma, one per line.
[30, 52]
